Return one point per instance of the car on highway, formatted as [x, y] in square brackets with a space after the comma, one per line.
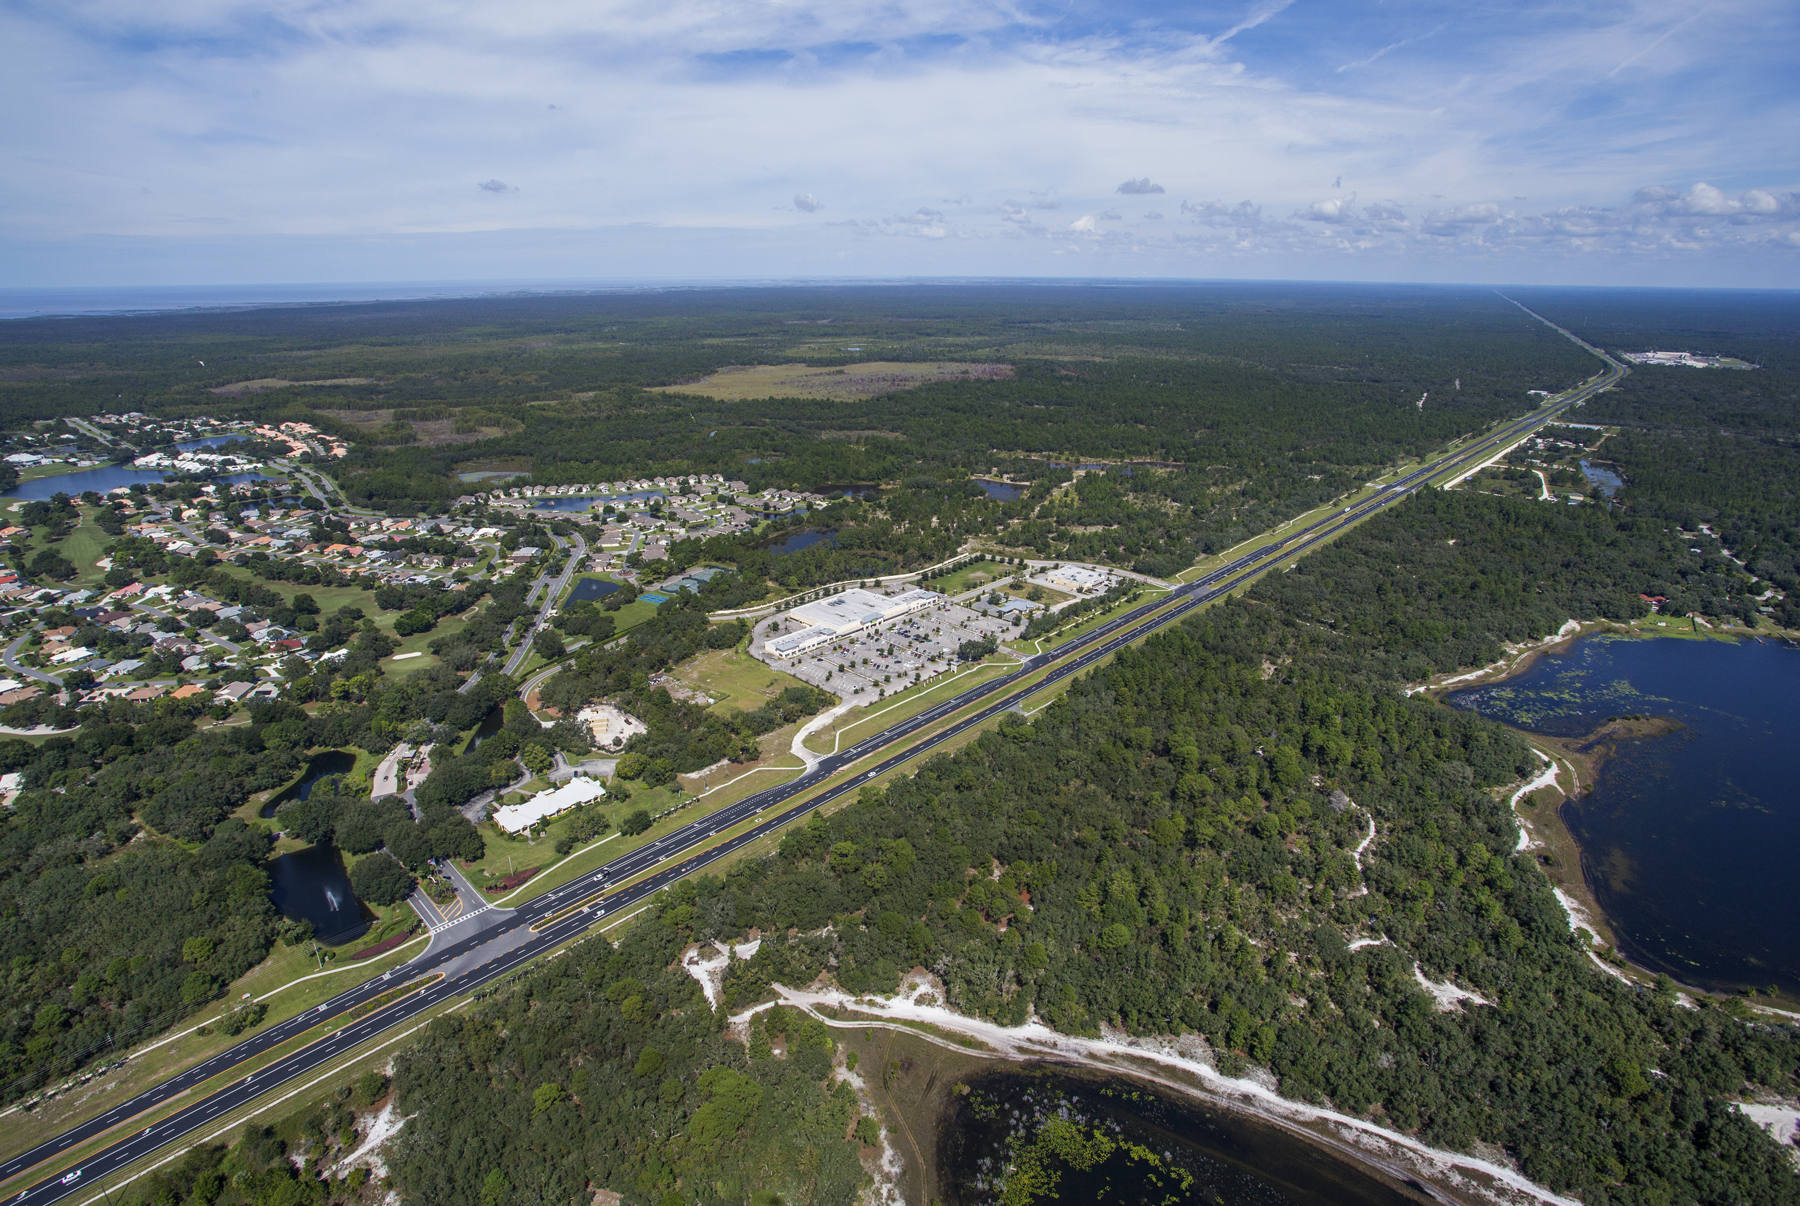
[72, 1176]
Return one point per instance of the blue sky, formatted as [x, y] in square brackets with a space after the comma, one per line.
[202, 141]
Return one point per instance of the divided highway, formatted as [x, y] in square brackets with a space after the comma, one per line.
[322, 1034]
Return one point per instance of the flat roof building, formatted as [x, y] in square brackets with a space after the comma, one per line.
[845, 613]
[516, 818]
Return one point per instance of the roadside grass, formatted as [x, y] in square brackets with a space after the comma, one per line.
[1061, 637]
[163, 1057]
[315, 1081]
[315, 1088]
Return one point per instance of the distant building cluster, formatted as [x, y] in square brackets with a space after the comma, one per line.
[1687, 360]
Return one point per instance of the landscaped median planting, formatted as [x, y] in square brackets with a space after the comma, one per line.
[383, 947]
[510, 882]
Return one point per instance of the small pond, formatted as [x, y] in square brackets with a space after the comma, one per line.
[1004, 491]
[805, 538]
[1603, 477]
[589, 589]
[311, 885]
[331, 762]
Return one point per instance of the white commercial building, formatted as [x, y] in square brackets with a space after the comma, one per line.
[1075, 579]
[841, 615]
[515, 818]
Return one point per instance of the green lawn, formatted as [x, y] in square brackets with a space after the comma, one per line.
[737, 681]
[84, 546]
[968, 577]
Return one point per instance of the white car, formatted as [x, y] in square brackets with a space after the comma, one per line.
[72, 1176]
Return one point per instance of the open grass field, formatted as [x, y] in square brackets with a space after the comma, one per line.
[968, 577]
[735, 680]
[843, 382]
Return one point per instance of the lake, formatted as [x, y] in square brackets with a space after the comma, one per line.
[805, 538]
[310, 885]
[101, 480]
[331, 762]
[1184, 1153]
[1004, 491]
[1687, 839]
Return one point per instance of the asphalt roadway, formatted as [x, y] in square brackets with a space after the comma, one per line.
[324, 1033]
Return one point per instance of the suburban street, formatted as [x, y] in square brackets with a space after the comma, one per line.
[481, 944]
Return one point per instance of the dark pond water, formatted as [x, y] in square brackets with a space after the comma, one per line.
[1599, 475]
[1182, 1153]
[593, 502]
[331, 762]
[805, 538]
[592, 588]
[209, 442]
[237, 479]
[490, 724]
[101, 480]
[1004, 491]
[310, 885]
[1687, 839]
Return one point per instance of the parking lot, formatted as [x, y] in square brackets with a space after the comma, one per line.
[889, 657]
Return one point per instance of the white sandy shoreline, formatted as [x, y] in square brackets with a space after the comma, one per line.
[1178, 1067]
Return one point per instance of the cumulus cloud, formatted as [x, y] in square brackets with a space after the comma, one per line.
[1703, 200]
[1335, 210]
[923, 222]
[1017, 213]
[496, 186]
[1143, 186]
[1217, 213]
[806, 203]
[1085, 224]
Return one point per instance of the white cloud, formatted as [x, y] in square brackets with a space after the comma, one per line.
[358, 121]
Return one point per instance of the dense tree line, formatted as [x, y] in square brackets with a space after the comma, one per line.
[607, 1070]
